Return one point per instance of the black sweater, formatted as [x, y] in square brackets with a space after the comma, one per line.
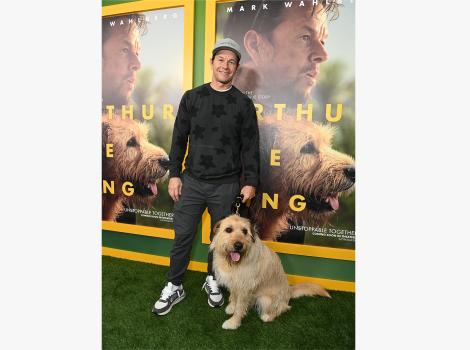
[223, 137]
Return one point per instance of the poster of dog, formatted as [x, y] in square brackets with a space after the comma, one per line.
[298, 68]
[143, 75]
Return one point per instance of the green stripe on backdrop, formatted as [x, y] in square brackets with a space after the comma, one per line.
[151, 245]
[341, 270]
[294, 264]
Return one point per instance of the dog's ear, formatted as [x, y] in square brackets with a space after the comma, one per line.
[216, 228]
[104, 134]
[254, 232]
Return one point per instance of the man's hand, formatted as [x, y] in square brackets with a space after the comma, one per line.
[174, 188]
[248, 192]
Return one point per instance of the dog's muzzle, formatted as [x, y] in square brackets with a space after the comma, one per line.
[235, 253]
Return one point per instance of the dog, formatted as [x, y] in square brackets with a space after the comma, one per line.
[135, 160]
[308, 167]
[252, 273]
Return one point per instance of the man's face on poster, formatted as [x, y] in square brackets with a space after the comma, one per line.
[120, 64]
[296, 50]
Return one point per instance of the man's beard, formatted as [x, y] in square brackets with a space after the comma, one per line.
[115, 99]
[225, 81]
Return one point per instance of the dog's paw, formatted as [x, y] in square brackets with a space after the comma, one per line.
[230, 324]
[267, 318]
[230, 309]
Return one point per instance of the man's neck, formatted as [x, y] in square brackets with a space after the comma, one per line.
[218, 86]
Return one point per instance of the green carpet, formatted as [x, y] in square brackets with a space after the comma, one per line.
[130, 289]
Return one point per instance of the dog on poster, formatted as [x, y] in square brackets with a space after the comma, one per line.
[252, 273]
[309, 167]
[133, 159]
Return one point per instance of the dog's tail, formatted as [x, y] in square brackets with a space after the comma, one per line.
[307, 289]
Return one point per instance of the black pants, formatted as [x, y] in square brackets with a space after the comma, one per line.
[195, 197]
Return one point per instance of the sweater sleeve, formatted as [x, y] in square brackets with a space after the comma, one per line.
[179, 140]
[250, 148]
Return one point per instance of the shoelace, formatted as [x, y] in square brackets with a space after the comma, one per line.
[213, 287]
[166, 292]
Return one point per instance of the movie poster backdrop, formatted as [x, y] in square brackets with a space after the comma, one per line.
[159, 84]
[303, 87]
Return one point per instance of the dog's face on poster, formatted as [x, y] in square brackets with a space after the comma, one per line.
[133, 158]
[309, 168]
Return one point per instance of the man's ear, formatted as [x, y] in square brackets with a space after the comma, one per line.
[257, 47]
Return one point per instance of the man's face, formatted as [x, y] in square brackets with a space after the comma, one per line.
[297, 49]
[120, 64]
[224, 66]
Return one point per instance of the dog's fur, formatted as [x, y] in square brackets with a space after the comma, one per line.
[135, 160]
[257, 278]
[309, 167]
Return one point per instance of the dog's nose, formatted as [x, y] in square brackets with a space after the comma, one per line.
[238, 246]
[164, 163]
[350, 173]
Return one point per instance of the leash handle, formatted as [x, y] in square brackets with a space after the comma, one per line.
[238, 203]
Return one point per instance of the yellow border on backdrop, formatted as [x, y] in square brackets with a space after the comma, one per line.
[188, 59]
[288, 248]
[343, 286]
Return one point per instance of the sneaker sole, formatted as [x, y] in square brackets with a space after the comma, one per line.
[208, 300]
[167, 311]
[214, 306]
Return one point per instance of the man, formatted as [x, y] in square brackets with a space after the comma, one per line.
[223, 156]
[120, 53]
[120, 63]
[284, 47]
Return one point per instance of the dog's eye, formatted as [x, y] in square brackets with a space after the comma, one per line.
[245, 231]
[132, 142]
[228, 229]
[308, 148]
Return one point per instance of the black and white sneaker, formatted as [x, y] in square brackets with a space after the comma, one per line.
[170, 296]
[215, 297]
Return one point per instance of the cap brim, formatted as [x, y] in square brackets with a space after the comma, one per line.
[226, 48]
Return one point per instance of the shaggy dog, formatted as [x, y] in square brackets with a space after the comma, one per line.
[134, 160]
[252, 273]
[309, 167]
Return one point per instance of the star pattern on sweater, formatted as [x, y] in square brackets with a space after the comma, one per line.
[204, 92]
[225, 140]
[194, 111]
[198, 132]
[231, 100]
[238, 119]
[218, 110]
[206, 161]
